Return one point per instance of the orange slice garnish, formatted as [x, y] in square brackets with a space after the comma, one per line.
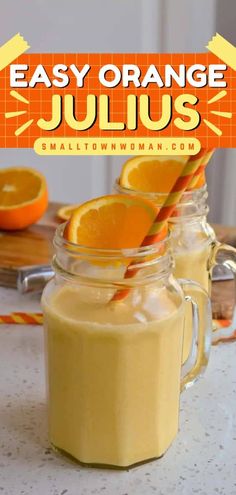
[112, 222]
[151, 173]
[23, 197]
[65, 212]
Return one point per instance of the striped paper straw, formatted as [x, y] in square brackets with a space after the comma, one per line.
[205, 160]
[165, 212]
[20, 318]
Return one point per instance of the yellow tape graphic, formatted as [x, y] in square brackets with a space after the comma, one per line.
[12, 49]
[223, 49]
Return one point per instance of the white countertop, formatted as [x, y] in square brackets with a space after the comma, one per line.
[202, 459]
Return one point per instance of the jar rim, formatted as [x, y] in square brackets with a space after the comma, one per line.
[186, 196]
[101, 253]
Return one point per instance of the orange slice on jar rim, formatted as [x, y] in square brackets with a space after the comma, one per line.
[112, 222]
[152, 174]
[23, 197]
[65, 212]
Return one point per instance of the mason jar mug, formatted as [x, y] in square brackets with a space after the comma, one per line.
[195, 251]
[114, 366]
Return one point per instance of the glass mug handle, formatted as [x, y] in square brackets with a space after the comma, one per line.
[201, 332]
[225, 255]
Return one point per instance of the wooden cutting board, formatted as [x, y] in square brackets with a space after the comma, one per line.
[32, 246]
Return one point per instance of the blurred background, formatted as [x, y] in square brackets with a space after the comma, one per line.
[121, 26]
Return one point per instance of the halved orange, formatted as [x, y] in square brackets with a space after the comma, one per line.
[23, 197]
[65, 212]
[152, 173]
[112, 222]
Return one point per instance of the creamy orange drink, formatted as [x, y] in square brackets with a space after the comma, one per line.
[114, 375]
[194, 265]
[192, 242]
[114, 367]
[194, 246]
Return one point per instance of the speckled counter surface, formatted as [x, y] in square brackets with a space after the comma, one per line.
[202, 459]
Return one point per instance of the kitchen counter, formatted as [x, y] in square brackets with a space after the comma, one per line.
[202, 459]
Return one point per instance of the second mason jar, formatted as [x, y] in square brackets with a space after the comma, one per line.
[195, 250]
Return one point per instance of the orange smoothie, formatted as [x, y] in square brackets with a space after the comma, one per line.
[114, 373]
[193, 264]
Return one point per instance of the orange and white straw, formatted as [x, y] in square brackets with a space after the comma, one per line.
[21, 318]
[165, 212]
[201, 170]
[174, 196]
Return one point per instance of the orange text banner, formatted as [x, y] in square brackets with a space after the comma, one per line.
[23, 109]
